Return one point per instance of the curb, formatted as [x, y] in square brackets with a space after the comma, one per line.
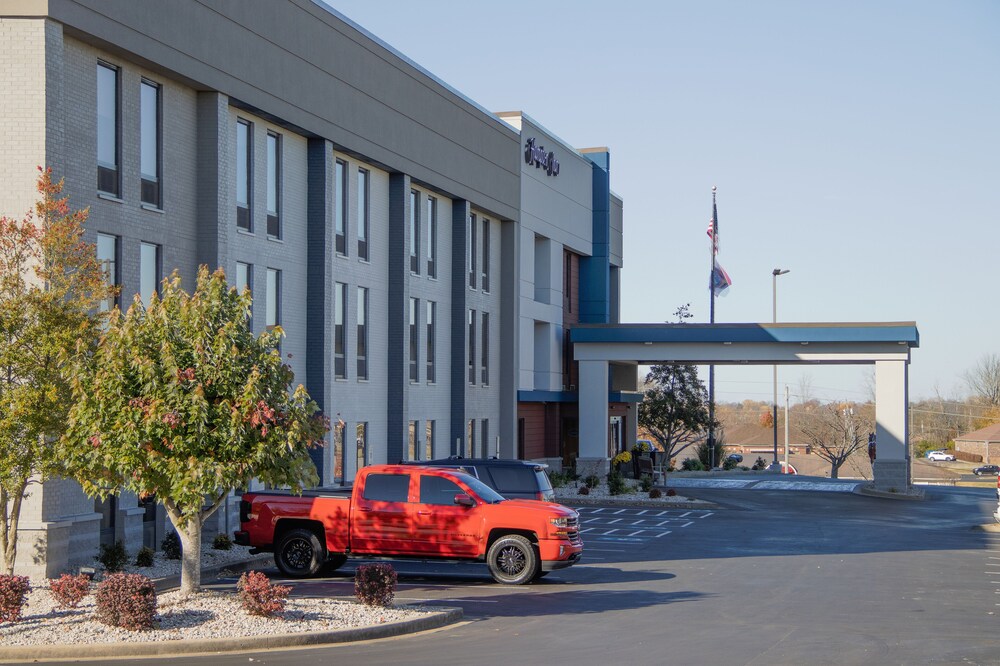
[654, 504]
[915, 494]
[210, 573]
[174, 647]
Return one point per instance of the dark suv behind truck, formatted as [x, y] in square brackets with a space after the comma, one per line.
[514, 479]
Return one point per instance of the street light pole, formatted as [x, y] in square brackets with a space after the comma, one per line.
[774, 319]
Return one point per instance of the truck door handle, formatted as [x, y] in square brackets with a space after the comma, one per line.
[364, 508]
[423, 513]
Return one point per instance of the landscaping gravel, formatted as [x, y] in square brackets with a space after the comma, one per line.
[201, 616]
[600, 492]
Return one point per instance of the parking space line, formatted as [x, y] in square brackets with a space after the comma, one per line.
[642, 512]
[662, 534]
[620, 511]
[636, 532]
[706, 515]
[616, 520]
[687, 523]
[686, 513]
[615, 530]
[586, 530]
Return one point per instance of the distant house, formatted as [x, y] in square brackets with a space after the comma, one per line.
[984, 442]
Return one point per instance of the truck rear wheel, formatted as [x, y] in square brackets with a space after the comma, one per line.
[299, 553]
[513, 560]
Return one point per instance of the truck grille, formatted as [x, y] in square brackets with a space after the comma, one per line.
[573, 528]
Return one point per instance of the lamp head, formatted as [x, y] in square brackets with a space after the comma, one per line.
[779, 271]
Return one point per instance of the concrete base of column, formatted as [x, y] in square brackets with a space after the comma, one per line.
[891, 475]
[587, 466]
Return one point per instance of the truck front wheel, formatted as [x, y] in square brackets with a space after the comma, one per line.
[299, 553]
[513, 560]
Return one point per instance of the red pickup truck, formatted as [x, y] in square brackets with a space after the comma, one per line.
[405, 511]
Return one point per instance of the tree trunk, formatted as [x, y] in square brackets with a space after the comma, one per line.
[8, 530]
[834, 468]
[190, 537]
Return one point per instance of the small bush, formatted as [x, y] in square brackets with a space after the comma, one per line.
[125, 600]
[222, 542]
[616, 484]
[671, 492]
[729, 464]
[171, 546]
[655, 493]
[144, 558]
[559, 479]
[692, 465]
[592, 481]
[259, 597]
[375, 584]
[13, 593]
[69, 590]
[759, 464]
[113, 558]
[584, 490]
[646, 484]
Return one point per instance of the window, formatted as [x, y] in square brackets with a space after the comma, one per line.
[438, 490]
[272, 305]
[149, 143]
[108, 124]
[339, 332]
[471, 434]
[244, 174]
[472, 346]
[149, 271]
[273, 185]
[362, 333]
[414, 232]
[431, 307]
[387, 487]
[470, 249]
[485, 364]
[340, 207]
[431, 237]
[363, 214]
[362, 441]
[485, 443]
[429, 440]
[107, 256]
[413, 452]
[244, 280]
[339, 453]
[568, 282]
[486, 255]
[414, 339]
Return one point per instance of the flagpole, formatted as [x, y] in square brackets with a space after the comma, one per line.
[711, 320]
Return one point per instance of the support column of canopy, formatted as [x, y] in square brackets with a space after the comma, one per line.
[892, 464]
[593, 458]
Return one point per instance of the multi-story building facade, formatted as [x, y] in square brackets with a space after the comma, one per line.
[374, 212]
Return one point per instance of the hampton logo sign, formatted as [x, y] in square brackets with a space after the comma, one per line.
[534, 154]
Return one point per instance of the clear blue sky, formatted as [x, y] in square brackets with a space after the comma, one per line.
[856, 143]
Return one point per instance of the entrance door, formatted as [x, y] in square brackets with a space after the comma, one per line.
[570, 444]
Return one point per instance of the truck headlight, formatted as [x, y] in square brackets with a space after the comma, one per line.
[560, 522]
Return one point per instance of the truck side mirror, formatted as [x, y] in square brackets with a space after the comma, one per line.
[462, 499]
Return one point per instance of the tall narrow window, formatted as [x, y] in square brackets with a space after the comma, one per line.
[429, 440]
[414, 232]
[339, 330]
[413, 451]
[362, 333]
[568, 281]
[244, 281]
[272, 313]
[107, 255]
[149, 271]
[339, 453]
[340, 207]
[485, 439]
[485, 365]
[472, 346]
[244, 174]
[486, 255]
[273, 185]
[471, 434]
[430, 315]
[414, 339]
[362, 443]
[363, 214]
[108, 123]
[150, 142]
[431, 217]
[470, 249]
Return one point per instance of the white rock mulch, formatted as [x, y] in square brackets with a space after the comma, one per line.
[572, 492]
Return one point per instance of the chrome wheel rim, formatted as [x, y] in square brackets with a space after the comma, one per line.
[511, 560]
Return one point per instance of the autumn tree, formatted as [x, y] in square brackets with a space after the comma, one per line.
[50, 286]
[183, 402]
[837, 431]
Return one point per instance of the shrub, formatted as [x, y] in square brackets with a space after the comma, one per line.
[692, 465]
[655, 493]
[125, 600]
[113, 558]
[13, 592]
[671, 492]
[759, 464]
[559, 479]
[144, 558]
[222, 542]
[259, 597]
[584, 490]
[171, 546]
[616, 484]
[729, 463]
[592, 481]
[646, 484]
[69, 590]
[375, 584]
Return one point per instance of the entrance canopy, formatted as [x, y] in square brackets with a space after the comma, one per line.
[886, 345]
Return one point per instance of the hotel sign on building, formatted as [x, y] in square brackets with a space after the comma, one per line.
[535, 154]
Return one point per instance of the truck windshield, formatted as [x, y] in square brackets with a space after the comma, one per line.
[485, 493]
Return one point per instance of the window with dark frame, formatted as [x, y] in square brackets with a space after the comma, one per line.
[107, 255]
[244, 280]
[413, 450]
[362, 333]
[429, 440]
[108, 130]
[339, 330]
[470, 249]
[340, 207]
[149, 270]
[568, 281]
[431, 237]
[272, 306]
[431, 312]
[471, 434]
[485, 439]
[151, 139]
[414, 232]
[472, 347]
[485, 354]
[273, 185]
[485, 284]
[244, 174]
[387, 487]
[414, 340]
[362, 444]
[363, 193]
